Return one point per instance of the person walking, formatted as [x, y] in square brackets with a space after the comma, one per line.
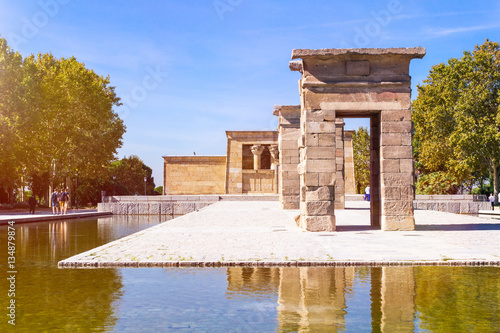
[63, 201]
[32, 203]
[367, 193]
[492, 201]
[55, 202]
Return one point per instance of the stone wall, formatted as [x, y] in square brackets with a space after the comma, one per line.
[289, 133]
[194, 175]
[457, 204]
[170, 204]
[258, 181]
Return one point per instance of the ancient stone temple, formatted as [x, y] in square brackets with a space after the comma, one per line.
[308, 161]
[341, 83]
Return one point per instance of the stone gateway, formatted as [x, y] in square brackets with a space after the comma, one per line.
[340, 83]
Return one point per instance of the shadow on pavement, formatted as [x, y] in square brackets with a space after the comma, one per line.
[355, 228]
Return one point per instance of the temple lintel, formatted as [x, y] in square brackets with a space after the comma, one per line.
[413, 52]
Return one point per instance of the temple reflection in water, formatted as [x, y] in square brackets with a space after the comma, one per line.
[315, 298]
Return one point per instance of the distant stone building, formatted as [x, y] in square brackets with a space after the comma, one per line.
[249, 167]
[256, 162]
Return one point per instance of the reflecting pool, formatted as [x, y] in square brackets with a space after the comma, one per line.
[362, 299]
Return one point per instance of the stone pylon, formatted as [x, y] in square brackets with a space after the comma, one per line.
[371, 83]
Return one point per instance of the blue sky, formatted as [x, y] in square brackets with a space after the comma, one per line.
[189, 70]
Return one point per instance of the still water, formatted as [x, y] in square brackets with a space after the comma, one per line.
[362, 299]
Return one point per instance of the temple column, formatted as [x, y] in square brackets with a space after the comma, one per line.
[257, 154]
[275, 165]
[288, 176]
[339, 201]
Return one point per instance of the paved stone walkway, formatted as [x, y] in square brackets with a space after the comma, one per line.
[260, 233]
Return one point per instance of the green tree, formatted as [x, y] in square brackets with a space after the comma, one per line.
[456, 117]
[10, 100]
[361, 147]
[130, 172]
[59, 120]
[158, 190]
[121, 177]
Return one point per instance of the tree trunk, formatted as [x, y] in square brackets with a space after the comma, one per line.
[495, 180]
[70, 193]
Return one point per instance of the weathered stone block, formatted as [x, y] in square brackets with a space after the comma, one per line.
[104, 207]
[395, 115]
[311, 179]
[143, 208]
[407, 192]
[289, 144]
[326, 179]
[483, 205]
[133, 208]
[181, 208]
[432, 206]
[313, 115]
[397, 208]
[397, 223]
[154, 208]
[167, 208]
[121, 208]
[317, 208]
[323, 193]
[312, 165]
[319, 223]
[404, 152]
[310, 140]
[406, 165]
[389, 165]
[329, 115]
[453, 207]
[422, 205]
[289, 167]
[326, 140]
[391, 193]
[396, 179]
[406, 139]
[357, 67]
[396, 127]
[290, 205]
[320, 127]
[391, 139]
[319, 152]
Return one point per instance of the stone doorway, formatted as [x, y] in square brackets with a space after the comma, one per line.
[342, 83]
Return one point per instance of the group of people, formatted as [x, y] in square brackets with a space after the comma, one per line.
[59, 201]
